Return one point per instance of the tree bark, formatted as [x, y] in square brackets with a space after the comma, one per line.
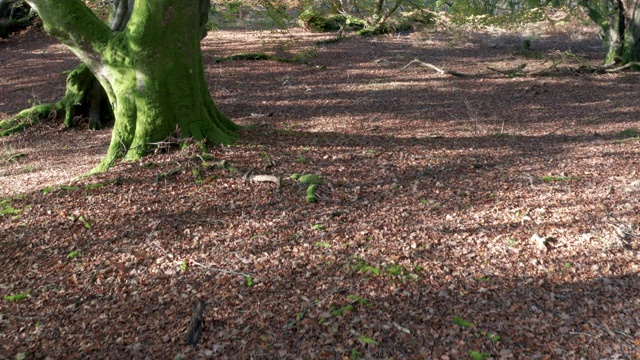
[619, 21]
[151, 71]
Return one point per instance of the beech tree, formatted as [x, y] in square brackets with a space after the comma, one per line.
[150, 69]
[619, 21]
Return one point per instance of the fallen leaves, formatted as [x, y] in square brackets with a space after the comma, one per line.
[419, 246]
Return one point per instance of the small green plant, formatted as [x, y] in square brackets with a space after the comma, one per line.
[7, 209]
[294, 176]
[74, 254]
[629, 133]
[196, 174]
[84, 222]
[301, 160]
[95, 186]
[463, 323]
[395, 186]
[395, 270]
[318, 227]
[310, 179]
[363, 267]
[355, 354]
[16, 297]
[184, 266]
[567, 265]
[494, 338]
[248, 280]
[311, 194]
[342, 310]
[549, 178]
[167, 174]
[47, 190]
[355, 299]
[483, 279]
[324, 245]
[477, 355]
[368, 340]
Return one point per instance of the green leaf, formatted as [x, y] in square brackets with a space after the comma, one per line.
[460, 322]
[21, 356]
[16, 297]
[356, 299]
[84, 222]
[323, 245]
[494, 337]
[74, 254]
[374, 270]
[317, 227]
[184, 266]
[340, 311]
[368, 340]
[476, 355]
[248, 280]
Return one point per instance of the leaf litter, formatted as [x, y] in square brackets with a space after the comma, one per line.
[440, 236]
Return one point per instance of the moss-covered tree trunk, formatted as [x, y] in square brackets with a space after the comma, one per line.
[619, 21]
[151, 71]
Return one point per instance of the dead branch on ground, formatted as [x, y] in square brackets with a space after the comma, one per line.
[437, 69]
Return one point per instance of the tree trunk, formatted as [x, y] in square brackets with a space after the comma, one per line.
[619, 21]
[151, 71]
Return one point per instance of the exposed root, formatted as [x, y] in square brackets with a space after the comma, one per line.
[558, 67]
[437, 69]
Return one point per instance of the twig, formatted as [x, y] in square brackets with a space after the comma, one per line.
[518, 70]
[437, 69]
[224, 271]
[580, 333]
[91, 281]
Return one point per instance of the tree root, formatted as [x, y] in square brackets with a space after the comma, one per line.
[553, 70]
[437, 69]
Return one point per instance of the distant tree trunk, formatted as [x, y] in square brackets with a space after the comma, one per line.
[15, 15]
[151, 71]
[619, 21]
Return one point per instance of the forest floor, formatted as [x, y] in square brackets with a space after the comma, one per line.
[459, 217]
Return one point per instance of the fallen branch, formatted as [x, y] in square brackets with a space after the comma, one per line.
[265, 178]
[437, 69]
[516, 71]
[194, 333]
[224, 271]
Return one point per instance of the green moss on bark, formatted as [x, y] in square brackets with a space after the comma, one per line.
[152, 72]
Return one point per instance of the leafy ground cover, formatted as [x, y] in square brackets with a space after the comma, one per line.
[455, 218]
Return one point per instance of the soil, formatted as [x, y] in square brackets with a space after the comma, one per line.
[483, 216]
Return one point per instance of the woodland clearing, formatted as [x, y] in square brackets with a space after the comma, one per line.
[457, 217]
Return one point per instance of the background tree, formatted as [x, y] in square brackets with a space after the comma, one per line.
[619, 21]
[151, 70]
[15, 15]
